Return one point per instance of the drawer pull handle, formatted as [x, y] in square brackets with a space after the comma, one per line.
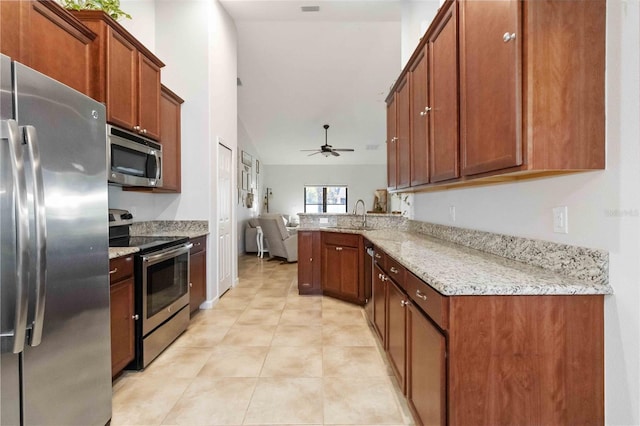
[421, 295]
[404, 303]
[135, 317]
[113, 271]
[338, 248]
[394, 270]
[378, 256]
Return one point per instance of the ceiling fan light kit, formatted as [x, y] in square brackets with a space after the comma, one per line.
[327, 149]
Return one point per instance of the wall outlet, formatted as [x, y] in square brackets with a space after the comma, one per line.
[561, 220]
[452, 213]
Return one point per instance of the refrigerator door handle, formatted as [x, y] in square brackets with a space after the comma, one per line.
[31, 139]
[11, 132]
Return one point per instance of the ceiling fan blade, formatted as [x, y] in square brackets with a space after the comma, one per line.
[334, 153]
[308, 150]
[317, 152]
[344, 149]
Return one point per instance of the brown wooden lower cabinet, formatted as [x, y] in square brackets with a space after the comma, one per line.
[198, 273]
[492, 360]
[122, 313]
[341, 262]
[426, 373]
[396, 334]
[309, 268]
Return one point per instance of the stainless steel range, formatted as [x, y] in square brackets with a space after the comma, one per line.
[161, 286]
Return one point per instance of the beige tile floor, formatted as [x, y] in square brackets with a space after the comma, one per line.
[266, 356]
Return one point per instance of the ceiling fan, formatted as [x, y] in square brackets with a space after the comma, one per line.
[327, 149]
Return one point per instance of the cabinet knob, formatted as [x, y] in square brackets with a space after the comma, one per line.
[136, 128]
[507, 37]
[421, 295]
[190, 285]
[311, 259]
[135, 317]
[144, 131]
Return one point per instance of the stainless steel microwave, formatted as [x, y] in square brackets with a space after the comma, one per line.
[133, 160]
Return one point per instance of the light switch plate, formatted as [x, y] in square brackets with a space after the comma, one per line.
[452, 213]
[561, 220]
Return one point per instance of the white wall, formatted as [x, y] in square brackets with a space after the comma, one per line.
[415, 19]
[287, 184]
[196, 39]
[604, 212]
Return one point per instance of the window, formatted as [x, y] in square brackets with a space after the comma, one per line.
[325, 199]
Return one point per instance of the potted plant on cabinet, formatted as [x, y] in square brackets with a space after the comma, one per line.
[110, 7]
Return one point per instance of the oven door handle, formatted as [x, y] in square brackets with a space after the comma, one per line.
[167, 253]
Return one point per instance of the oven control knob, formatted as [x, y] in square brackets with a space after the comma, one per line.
[135, 317]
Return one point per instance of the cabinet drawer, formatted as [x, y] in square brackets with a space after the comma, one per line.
[435, 305]
[338, 239]
[120, 268]
[396, 271]
[199, 244]
[380, 258]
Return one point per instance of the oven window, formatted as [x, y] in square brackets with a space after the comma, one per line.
[128, 161]
[167, 281]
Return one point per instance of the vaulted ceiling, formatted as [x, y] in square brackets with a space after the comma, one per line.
[301, 70]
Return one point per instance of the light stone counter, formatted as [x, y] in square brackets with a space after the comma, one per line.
[121, 251]
[454, 269]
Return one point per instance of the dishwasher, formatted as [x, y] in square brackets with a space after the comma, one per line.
[368, 277]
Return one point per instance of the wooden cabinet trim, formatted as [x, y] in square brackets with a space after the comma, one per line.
[99, 16]
[61, 17]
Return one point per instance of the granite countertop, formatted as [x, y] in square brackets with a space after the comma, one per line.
[121, 251]
[455, 270]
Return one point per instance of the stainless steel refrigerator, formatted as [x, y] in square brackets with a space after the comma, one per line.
[55, 366]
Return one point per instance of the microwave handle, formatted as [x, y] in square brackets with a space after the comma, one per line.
[158, 165]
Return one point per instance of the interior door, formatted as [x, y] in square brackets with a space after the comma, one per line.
[224, 218]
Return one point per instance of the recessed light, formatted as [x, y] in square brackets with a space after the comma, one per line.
[310, 8]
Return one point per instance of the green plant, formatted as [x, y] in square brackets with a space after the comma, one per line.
[110, 7]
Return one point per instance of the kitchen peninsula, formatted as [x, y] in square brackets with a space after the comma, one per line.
[482, 328]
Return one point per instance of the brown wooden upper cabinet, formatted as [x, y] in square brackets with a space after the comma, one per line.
[47, 38]
[419, 122]
[514, 88]
[399, 148]
[532, 85]
[126, 76]
[443, 98]
[170, 129]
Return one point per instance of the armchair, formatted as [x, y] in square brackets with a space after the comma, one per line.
[281, 244]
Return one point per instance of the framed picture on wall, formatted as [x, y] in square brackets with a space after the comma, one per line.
[246, 158]
[245, 185]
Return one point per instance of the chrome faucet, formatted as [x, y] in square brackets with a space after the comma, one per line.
[364, 212]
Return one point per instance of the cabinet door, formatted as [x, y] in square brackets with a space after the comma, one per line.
[122, 59]
[309, 262]
[396, 326]
[148, 98]
[379, 296]
[420, 113]
[403, 111]
[340, 273]
[443, 98]
[490, 93]
[170, 139]
[426, 372]
[391, 144]
[122, 325]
